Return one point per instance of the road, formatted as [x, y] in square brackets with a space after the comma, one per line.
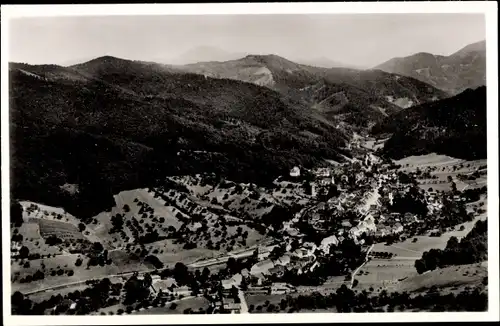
[202, 263]
[357, 269]
[62, 286]
[243, 303]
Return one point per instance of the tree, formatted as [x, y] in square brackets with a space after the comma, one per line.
[244, 284]
[420, 266]
[135, 290]
[39, 275]
[148, 281]
[16, 213]
[126, 208]
[452, 243]
[205, 274]
[181, 274]
[255, 255]
[24, 252]
[81, 227]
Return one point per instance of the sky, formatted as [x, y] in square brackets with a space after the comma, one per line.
[363, 40]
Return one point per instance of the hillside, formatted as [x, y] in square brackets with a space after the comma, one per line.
[463, 69]
[455, 126]
[115, 124]
[361, 96]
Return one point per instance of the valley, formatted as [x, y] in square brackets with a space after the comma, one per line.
[253, 185]
[205, 222]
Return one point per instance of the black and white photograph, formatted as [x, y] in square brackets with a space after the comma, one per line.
[276, 163]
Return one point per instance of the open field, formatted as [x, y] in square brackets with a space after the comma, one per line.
[260, 299]
[428, 160]
[453, 278]
[385, 273]
[330, 285]
[126, 262]
[275, 299]
[194, 303]
[61, 230]
[442, 166]
[60, 262]
[55, 220]
[45, 295]
[34, 241]
[104, 225]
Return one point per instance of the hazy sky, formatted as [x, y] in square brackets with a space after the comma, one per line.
[365, 40]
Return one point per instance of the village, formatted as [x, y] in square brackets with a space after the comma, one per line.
[332, 217]
[358, 210]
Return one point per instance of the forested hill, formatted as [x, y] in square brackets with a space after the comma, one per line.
[113, 124]
[357, 97]
[454, 126]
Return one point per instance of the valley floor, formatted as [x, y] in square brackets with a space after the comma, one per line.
[207, 225]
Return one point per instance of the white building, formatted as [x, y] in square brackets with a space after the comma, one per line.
[281, 288]
[325, 173]
[313, 190]
[295, 172]
[391, 198]
[326, 243]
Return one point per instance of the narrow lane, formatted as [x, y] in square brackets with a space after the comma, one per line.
[357, 269]
[243, 302]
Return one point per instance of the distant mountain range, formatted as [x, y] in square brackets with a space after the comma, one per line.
[455, 126]
[326, 63]
[463, 69]
[111, 124]
[359, 97]
[202, 53]
[211, 54]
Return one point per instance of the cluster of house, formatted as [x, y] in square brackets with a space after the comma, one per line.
[368, 188]
[167, 287]
[255, 278]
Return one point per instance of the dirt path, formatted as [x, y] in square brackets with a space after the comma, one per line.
[243, 303]
[357, 269]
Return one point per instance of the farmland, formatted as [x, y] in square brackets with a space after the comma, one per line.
[55, 221]
[56, 272]
[453, 278]
[441, 167]
[202, 223]
[194, 304]
[386, 273]
[34, 241]
[257, 300]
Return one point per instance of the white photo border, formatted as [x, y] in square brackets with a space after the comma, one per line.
[488, 8]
